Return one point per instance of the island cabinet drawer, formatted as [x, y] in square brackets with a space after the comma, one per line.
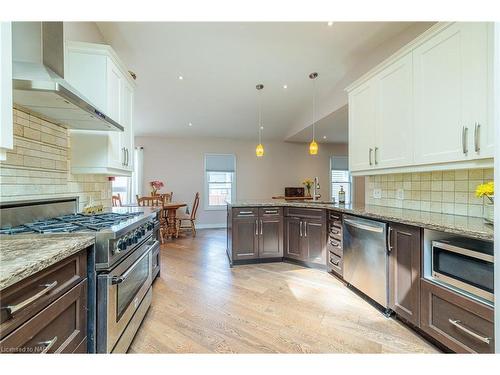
[59, 328]
[24, 299]
[463, 325]
[309, 213]
[245, 212]
[270, 211]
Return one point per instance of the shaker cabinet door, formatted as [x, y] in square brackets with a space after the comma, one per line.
[293, 238]
[245, 239]
[271, 238]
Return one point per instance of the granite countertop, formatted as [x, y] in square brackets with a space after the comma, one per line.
[23, 255]
[473, 227]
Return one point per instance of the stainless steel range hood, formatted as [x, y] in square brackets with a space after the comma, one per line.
[38, 79]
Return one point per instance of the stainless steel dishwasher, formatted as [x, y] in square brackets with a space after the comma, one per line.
[366, 260]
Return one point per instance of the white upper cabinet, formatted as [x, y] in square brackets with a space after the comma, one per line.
[6, 120]
[96, 71]
[362, 126]
[433, 103]
[394, 117]
[451, 94]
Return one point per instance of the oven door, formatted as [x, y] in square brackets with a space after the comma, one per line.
[120, 292]
[464, 269]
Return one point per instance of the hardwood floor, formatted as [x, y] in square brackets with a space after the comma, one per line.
[200, 305]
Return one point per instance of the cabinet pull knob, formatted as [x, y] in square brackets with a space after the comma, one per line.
[11, 310]
[389, 246]
[477, 127]
[48, 344]
[457, 323]
[465, 130]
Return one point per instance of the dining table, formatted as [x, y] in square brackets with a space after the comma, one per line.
[169, 212]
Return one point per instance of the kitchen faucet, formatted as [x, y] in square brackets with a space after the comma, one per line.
[316, 187]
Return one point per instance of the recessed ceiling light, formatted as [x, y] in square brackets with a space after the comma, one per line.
[261, 128]
[180, 78]
[324, 137]
[285, 86]
[330, 23]
[190, 124]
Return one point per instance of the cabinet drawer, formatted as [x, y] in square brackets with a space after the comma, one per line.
[312, 213]
[270, 211]
[23, 300]
[59, 328]
[335, 263]
[245, 212]
[463, 325]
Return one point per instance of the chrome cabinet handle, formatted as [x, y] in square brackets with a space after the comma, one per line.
[271, 212]
[370, 156]
[300, 226]
[126, 157]
[256, 227]
[376, 153]
[11, 310]
[336, 263]
[477, 127]
[48, 344]
[465, 130]
[245, 213]
[389, 231]
[261, 226]
[305, 228]
[457, 324]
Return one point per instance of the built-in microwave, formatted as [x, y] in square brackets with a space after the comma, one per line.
[464, 265]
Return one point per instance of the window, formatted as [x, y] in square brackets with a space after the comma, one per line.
[340, 177]
[219, 180]
[120, 185]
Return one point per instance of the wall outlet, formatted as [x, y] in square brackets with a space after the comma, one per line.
[400, 194]
[377, 193]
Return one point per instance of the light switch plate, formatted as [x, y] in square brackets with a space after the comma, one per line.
[377, 193]
[400, 194]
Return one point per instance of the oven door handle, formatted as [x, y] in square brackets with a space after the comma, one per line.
[120, 279]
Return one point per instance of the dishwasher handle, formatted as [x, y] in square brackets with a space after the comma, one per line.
[363, 226]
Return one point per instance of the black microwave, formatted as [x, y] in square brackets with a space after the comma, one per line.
[465, 265]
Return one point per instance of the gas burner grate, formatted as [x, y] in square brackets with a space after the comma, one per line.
[16, 230]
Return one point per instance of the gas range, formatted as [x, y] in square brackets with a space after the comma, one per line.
[118, 230]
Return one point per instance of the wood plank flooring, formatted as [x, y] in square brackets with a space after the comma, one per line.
[200, 305]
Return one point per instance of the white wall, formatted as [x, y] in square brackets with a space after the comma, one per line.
[179, 164]
[82, 32]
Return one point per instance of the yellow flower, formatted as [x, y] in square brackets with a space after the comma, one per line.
[485, 190]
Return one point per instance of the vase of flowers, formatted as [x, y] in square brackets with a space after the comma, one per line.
[308, 183]
[155, 186]
[487, 190]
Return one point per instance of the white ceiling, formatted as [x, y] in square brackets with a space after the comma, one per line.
[330, 129]
[222, 62]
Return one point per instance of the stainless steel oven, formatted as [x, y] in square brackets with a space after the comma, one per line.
[466, 265]
[121, 296]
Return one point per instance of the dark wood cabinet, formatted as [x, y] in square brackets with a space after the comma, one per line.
[270, 233]
[255, 233]
[458, 322]
[47, 312]
[293, 238]
[245, 238]
[405, 248]
[305, 235]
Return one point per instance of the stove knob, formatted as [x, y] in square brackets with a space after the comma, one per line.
[122, 244]
[129, 240]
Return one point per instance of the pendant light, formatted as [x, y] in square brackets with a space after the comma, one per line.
[259, 150]
[313, 146]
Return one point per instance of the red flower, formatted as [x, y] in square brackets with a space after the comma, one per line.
[157, 185]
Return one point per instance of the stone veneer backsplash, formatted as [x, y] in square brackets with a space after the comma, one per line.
[449, 192]
[39, 166]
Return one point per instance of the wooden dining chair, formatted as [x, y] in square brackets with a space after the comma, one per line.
[116, 200]
[189, 218]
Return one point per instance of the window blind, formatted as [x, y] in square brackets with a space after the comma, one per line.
[339, 163]
[219, 163]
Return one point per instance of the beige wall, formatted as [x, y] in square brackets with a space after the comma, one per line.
[38, 166]
[179, 163]
[83, 32]
[449, 192]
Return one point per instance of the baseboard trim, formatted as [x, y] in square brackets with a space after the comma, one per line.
[211, 226]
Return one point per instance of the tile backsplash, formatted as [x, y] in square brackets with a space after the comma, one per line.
[449, 192]
[38, 167]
